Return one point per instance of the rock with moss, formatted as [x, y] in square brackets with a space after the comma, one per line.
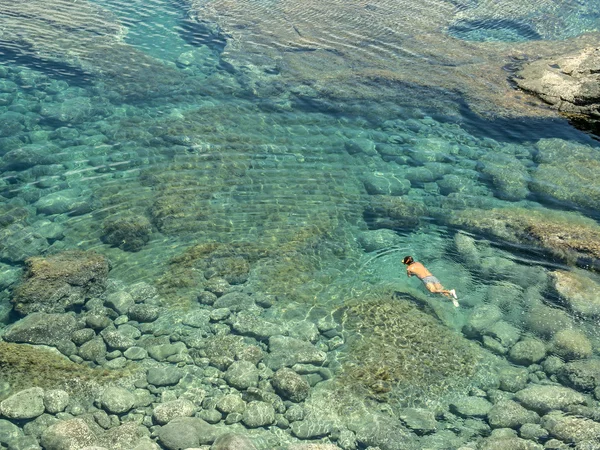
[69, 434]
[387, 211]
[527, 351]
[545, 321]
[583, 375]
[509, 175]
[571, 429]
[545, 398]
[571, 344]
[579, 291]
[378, 240]
[385, 184]
[231, 441]
[46, 329]
[60, 282]
[393, 345]
[508, 443]
[510, 414]
[568, 176]
[567, 235]
[290, 385]
[129, 233]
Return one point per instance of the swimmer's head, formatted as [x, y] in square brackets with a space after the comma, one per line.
[408, 260]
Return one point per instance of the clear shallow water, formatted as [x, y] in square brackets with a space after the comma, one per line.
[162, 129]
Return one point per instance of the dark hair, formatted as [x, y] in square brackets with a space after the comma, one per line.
[408, 260]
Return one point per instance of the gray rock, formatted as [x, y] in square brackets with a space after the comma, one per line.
[94, 350]
[513, 379]
[20, 243]
[117, 400]
[571, 344]
[38, 425]
[135, 353]
[582, 375]
[80, 337]
[287, 351]
[571, 429]
[8, 432]
[295, 413]
[471, 406]
[231, 403]
[24, 443]
[164, 376]
[247, 323]
[163, 351]
[72, 434]
[527, 352]
[46, 329]
[242, 375]
[97, 322]
[378, 239]
[25, 404]
[545, 398]
[124, 437]
[569, 82]
[383, 432]
[360, 145]
[419, 420]
[508, 443]
[143, 313]
[55, 400]
[504, 332]
[258, 414]
[235, 302]
[290, 385]
[232, 441]
[120, 301]
[310, 429]
[116, 340]
[509, 414]
[210, 415]
[533, 432]
[481, 318]
[386, 184]
[146, 444]
[186, 432]
[165, 412]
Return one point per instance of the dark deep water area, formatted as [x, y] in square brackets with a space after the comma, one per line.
[204, 206]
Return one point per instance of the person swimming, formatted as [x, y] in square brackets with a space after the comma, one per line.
[431, 283]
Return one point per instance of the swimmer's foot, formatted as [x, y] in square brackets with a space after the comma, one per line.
[454, 298]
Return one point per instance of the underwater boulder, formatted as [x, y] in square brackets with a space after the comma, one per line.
[388, 211]
[578, 291]
[567, 235]
[59, 282]
[570, 82]
[129, 233]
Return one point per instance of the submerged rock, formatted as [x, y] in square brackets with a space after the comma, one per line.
[61, 281]
[547, 398]
[571, 429]
[567, 235]
[129, 233]
[579, 291]
[570, 82]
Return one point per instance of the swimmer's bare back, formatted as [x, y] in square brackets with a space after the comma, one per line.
[432, 284]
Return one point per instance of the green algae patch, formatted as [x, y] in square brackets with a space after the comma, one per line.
[567, 235]
[23, 366]
[402, 353]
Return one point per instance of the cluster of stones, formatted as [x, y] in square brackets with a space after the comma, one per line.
[191, 381]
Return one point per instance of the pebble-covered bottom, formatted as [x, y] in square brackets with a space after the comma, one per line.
[187, 265]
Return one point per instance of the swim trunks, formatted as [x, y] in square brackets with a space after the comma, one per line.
[430, 279]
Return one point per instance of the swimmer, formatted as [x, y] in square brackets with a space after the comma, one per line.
[431, 283]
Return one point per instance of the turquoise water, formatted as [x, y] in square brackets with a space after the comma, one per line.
[319, 160]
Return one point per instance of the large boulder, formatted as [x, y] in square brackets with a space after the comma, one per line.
[186, 432]
[545, 398]
[579, 291]
[571, 429]
[72, 434]
[59, 282]
[570, 82]
[44, 329]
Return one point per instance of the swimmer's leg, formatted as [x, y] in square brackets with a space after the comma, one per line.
[437, 288]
